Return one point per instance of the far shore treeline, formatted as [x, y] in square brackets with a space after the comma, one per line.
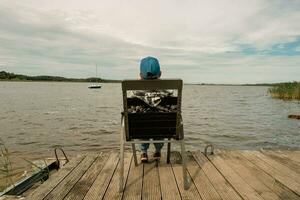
[6, 76]
[285, 91]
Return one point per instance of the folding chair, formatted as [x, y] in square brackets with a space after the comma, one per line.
[151, 127]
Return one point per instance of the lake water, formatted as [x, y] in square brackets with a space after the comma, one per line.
[35, 117]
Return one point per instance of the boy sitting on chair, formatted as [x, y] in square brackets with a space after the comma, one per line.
[150, 70]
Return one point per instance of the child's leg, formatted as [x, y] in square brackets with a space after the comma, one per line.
[158, 146]
[144, 147]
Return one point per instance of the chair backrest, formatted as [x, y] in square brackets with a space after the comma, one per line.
[155, 125]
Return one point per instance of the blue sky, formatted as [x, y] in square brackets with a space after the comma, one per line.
[225, 41]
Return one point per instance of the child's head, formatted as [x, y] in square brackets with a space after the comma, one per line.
[149, 68]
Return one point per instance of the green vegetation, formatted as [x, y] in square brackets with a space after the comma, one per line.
[287, 91]
[6, 76]
[6, 170]
[9, 174]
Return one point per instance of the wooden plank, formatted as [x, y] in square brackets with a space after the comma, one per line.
[98, 189]
[250, 178]
[293, 155]
[281, 158]
[61, 190]
[113, 188]
[222, 186]
[192, 193]
[168, 184]
[83, 185]
[11, 197]
[202, 183]
[281, 190]
[44, 189]
[269, 169]
[285, 171]
[134, 183]
[151, 185]
[240, 185]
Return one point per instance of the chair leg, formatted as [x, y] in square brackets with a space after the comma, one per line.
[121, 169]
[168, 152]
[121, 182]
[184, 169]
[134, 155]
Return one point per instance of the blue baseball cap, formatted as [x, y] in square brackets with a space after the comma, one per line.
[149, 68]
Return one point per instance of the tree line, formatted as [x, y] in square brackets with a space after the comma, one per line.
[19, 77]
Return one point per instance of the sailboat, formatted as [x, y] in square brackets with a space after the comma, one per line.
[95, 85]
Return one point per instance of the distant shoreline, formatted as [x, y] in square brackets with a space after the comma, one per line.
[6, 76]
[11, 77]
[223, 84]
[119, 81]
[53, 81]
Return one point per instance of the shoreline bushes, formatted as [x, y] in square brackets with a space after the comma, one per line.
[286, 91]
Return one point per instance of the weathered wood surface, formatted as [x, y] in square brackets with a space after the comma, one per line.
[151, 186]
[11, 197]
[226, 175]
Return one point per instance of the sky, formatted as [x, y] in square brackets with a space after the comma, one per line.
[221, 41]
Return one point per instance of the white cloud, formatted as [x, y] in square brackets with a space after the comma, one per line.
[67, 37]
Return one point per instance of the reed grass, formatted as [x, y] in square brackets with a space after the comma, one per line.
[286, 91]
[9, 174]
[6, 170]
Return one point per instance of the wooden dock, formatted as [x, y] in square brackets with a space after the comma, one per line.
[231, 175]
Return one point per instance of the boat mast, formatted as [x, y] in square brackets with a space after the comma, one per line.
[96, 70]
